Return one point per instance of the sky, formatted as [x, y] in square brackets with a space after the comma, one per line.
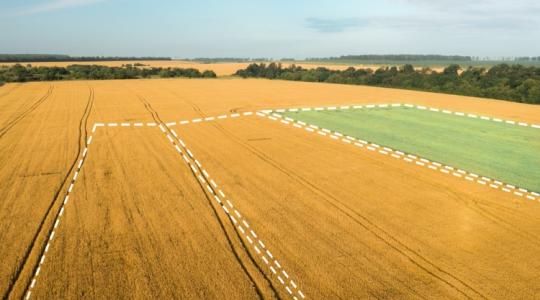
[273, 29]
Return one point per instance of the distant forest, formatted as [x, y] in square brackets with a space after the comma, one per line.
[20, 73]
[394, 57]
[425, 60]
[208, 60]
[506, 82]
[420, 58]
[59, 57]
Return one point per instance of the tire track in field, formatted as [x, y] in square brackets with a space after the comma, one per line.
[392, 241]
[243, 245]
[42, 230]
[413, 256]
[483, 212]
[307, 184]
[482, 208]
[158, 120]
[494, 218]
[22, 115]
[237, 140]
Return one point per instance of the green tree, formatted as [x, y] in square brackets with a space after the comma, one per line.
[534, 94]
[452, 70]
[209, 74]
[408, 69]
[515, 83]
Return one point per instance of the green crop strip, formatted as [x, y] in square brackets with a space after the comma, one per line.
[504, 152]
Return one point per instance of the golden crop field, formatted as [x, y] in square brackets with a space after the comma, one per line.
[186, 188]
[221, 69]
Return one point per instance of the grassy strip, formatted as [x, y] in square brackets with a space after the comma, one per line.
[501, 151]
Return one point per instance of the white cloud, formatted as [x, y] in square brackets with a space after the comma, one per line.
[55, 5]
[454, 17]
[486, 7]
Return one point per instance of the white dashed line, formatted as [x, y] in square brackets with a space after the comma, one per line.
[418, 160]
[35, 276]
[250, 235]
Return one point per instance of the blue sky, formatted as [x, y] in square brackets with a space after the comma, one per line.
[277, 28]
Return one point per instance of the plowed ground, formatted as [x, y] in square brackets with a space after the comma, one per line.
[343, 222]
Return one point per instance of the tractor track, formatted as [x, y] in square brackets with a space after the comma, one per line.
[42, 228]
[221, 223]
[22, 115]
[413, 256]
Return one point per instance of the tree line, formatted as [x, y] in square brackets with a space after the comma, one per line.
[62, 57]
[506, 82]
[395, 57]
[213, 60]
[20, 73]
[528, 58]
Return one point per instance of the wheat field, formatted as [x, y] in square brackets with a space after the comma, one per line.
[182, 190]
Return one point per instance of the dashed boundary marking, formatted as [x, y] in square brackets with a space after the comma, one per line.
[51, 236]
[406, 105]
[181, 122]
[409, 158]
[273, 114]
[239, 221]
[322, 108]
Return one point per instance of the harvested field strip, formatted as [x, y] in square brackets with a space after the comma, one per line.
[236, 217]
[410, 158]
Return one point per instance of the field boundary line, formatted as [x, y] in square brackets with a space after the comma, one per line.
[239, 221]
[241, 224]
[274, 114]
[406, 105]
[181, 122]
[401, 155]
[321, 108]
[58, 218]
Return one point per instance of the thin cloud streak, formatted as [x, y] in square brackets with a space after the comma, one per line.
[55, 5]
[465, 17]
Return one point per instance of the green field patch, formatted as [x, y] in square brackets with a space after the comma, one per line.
[504, 152]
